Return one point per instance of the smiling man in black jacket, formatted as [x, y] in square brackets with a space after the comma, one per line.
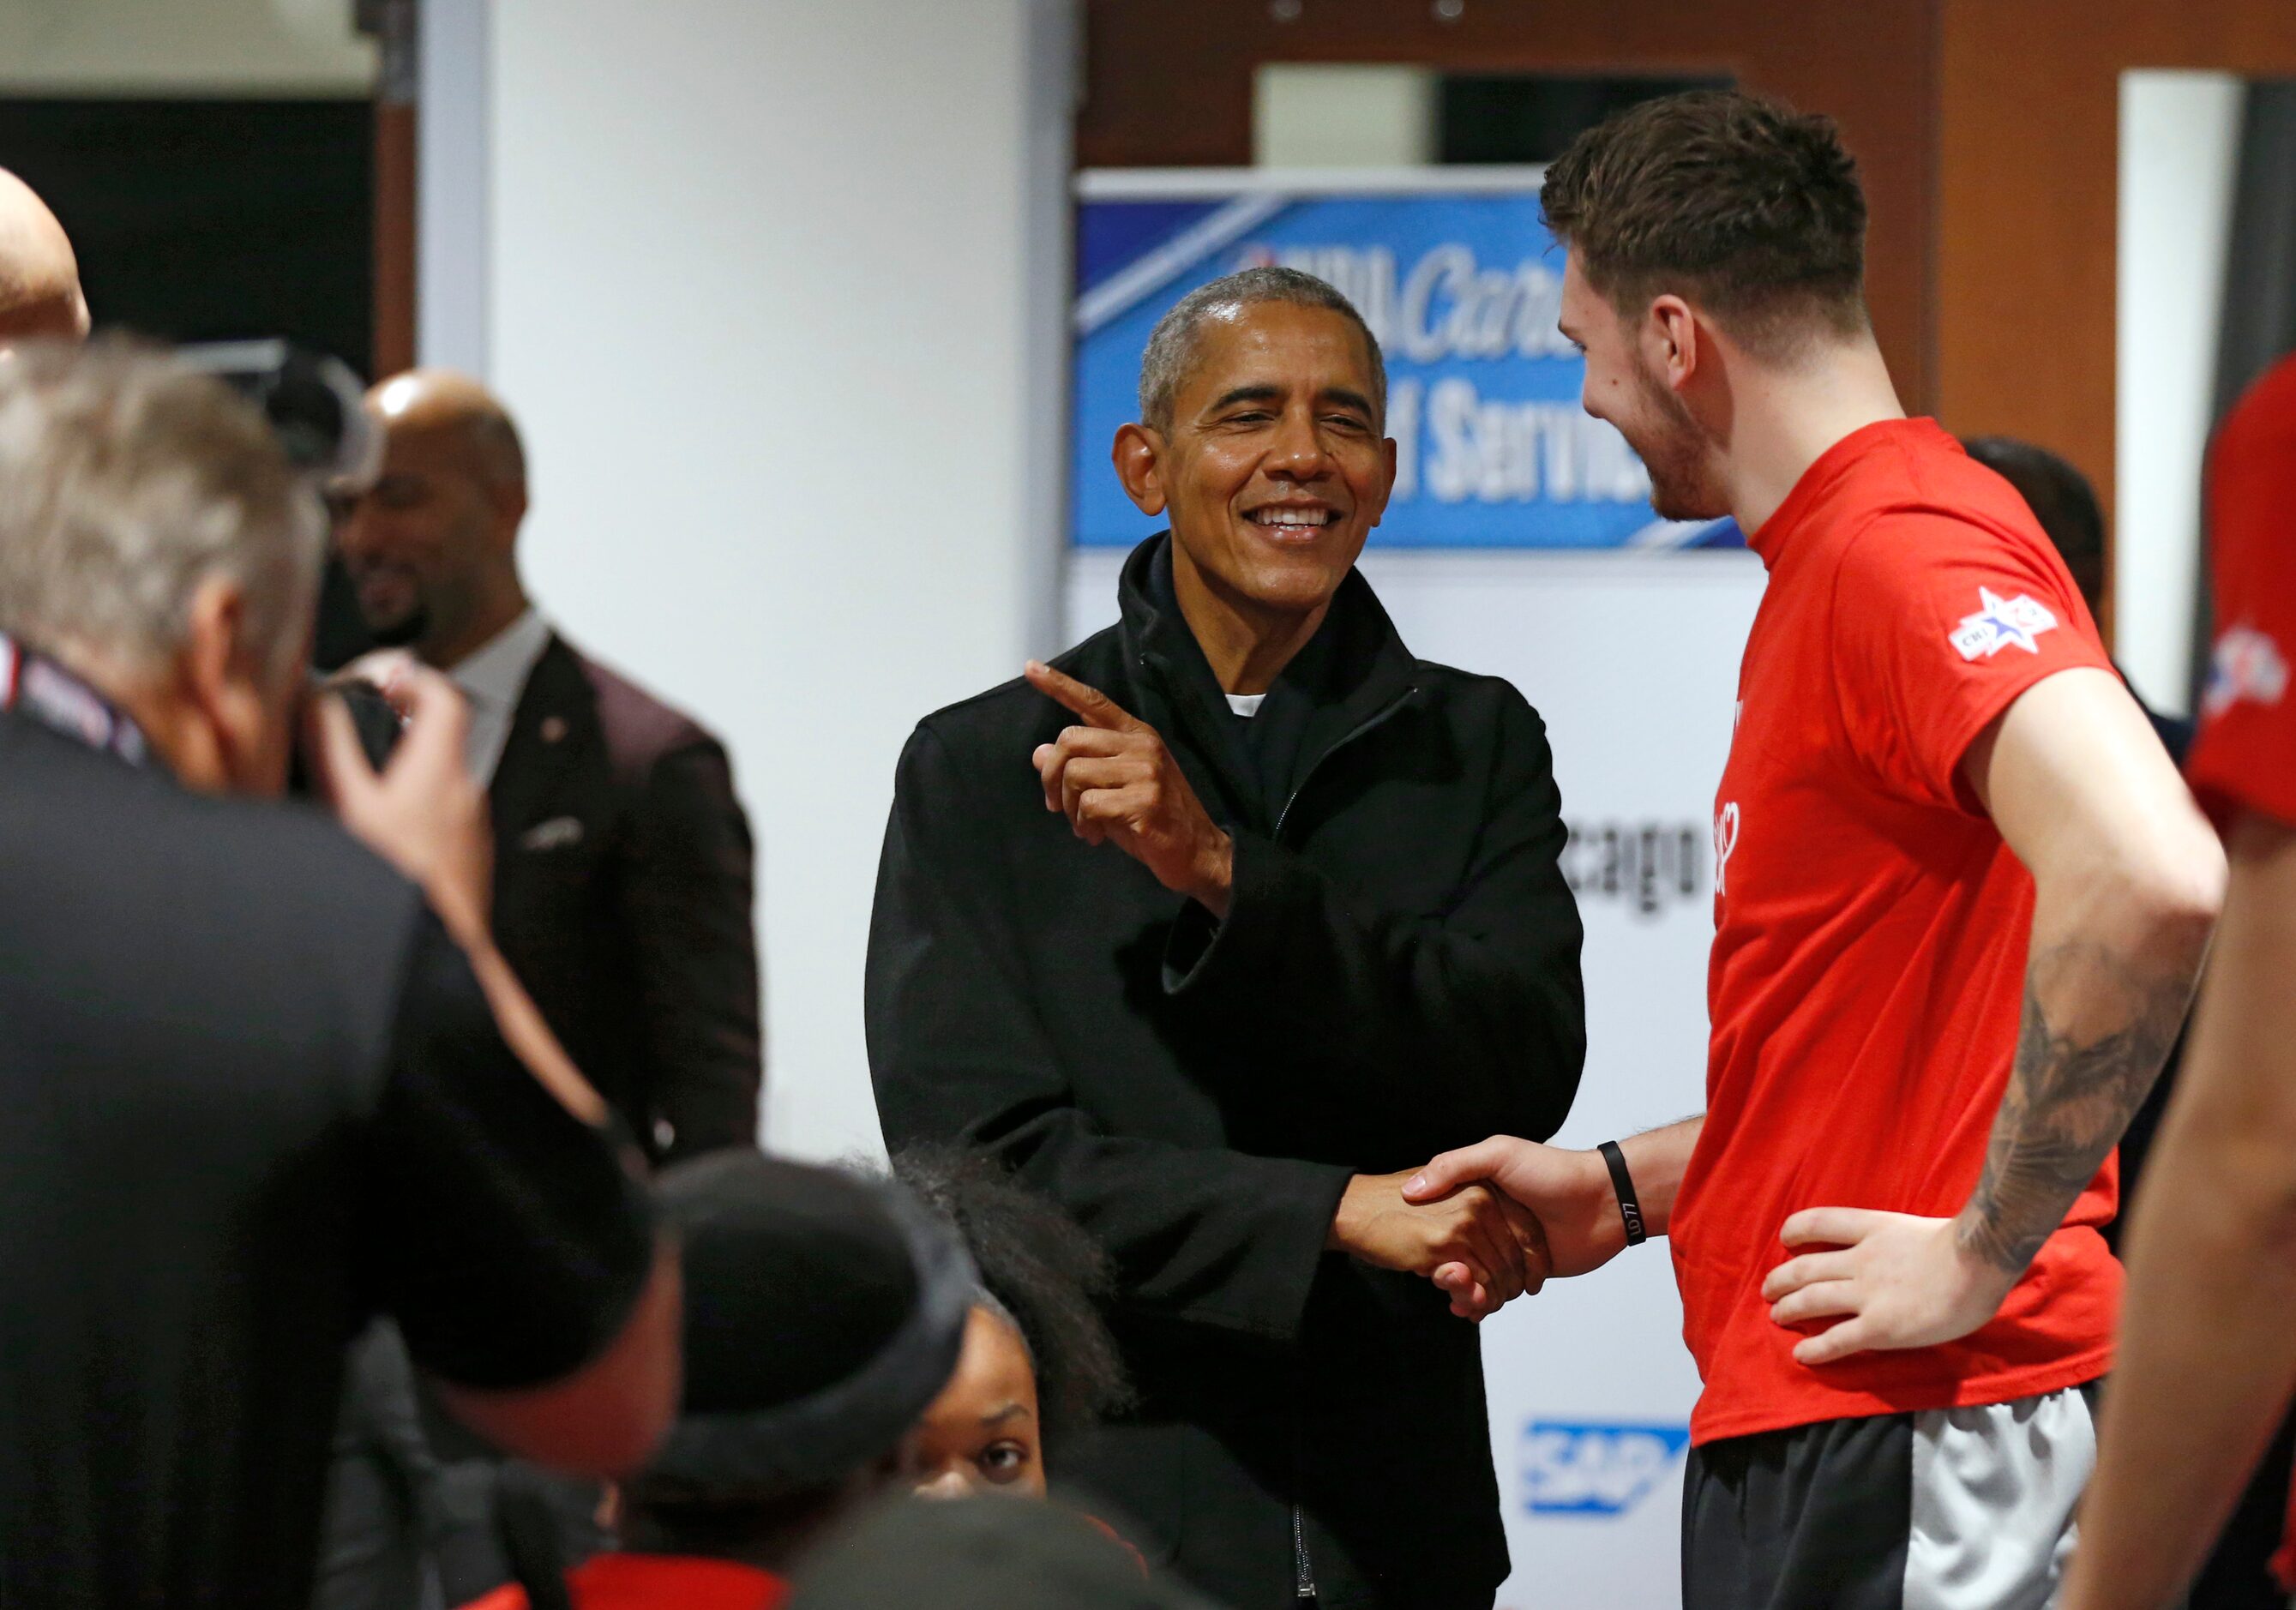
[1213, 931]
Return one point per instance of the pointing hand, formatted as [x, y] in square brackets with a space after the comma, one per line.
[1117, 783]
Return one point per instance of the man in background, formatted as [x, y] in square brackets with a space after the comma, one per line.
[622, 884]
[2208, 1352]
[40, 295]
[622, 897]
[2062, 500]
[262, 1083]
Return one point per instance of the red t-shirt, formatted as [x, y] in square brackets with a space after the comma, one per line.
[655, 1581]
[1871, 930]
[2244, 756]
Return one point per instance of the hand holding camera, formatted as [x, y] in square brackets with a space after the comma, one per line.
[422, 811]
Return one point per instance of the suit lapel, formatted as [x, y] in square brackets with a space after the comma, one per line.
[555, 718]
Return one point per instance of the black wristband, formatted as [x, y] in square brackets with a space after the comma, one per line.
[1623, 1183]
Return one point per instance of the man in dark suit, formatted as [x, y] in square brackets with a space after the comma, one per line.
[622, 858]
[1209, 930]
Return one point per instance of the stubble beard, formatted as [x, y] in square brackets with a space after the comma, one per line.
[1673, 450]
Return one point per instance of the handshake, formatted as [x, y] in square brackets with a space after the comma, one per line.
[1487, 1223]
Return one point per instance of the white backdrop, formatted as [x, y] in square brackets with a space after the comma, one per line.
[791, 379]
[1632, 660]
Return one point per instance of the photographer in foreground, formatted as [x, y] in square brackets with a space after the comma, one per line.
[263, 1084]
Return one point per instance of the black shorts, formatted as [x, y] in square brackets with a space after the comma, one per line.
[1946, 1509]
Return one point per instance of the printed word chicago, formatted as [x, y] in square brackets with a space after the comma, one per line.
[1646, 866]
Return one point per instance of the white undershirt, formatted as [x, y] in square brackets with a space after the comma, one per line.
[493, 679]
[1246, 705]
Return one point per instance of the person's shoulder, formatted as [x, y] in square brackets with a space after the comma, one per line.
[995, 718]
[1937, 506]
[638, 725]
[1485, 709]
[223, 860]
[2264, 413]
[1476, 692]
[1918, 475]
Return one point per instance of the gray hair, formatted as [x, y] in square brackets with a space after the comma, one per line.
[1171, 351]
[127, 481]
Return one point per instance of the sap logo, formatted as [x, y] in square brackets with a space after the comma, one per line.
[1579, 1469]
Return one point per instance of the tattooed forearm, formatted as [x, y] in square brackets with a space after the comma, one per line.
[2070, 1093]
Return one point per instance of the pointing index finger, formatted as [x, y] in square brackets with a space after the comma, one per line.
[1089, 704]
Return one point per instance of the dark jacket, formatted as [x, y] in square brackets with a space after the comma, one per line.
[1398, 974]
[622, 900]
[255, 1095]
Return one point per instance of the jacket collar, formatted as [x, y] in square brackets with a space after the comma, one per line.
[44, 690]
[550, 728]
[1367, 670]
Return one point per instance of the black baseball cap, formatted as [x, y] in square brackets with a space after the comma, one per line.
[824, 1313]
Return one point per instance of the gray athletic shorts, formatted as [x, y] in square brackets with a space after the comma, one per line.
[1946, 1509]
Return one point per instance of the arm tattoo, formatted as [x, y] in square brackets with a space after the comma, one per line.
[2067, 1104]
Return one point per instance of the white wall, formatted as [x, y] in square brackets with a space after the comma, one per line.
[776, 294]
[2179, 145]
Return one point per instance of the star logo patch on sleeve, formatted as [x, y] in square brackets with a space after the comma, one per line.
[2246, 664]
[2000, 623]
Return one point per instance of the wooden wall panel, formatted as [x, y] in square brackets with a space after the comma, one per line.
[1170, 82]
[394, 238]
[2028, 198]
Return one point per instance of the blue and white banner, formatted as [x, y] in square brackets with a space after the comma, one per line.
[1458, 278]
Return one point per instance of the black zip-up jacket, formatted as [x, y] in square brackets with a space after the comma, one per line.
[1398, 974]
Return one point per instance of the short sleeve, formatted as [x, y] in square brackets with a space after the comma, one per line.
[2244, 756]
[501, 1232]
[1939, 624]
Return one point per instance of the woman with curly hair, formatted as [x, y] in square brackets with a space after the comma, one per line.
[1037, 1367]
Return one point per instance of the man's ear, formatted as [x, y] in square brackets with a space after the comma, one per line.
[1139, 458]
[211, 660]
[221, 676]
[509, 501]
[1670, 340]
[1387, 451]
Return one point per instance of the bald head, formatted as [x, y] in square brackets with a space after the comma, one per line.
[39, 278]
[432, 546]
[443, 403]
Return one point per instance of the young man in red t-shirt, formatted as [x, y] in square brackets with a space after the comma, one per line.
[2211, 1353]
[1960, 896]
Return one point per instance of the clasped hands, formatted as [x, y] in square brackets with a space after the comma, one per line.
[1857, 1280]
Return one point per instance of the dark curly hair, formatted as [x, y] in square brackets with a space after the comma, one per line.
[1747, 207]
[1041, 1268]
